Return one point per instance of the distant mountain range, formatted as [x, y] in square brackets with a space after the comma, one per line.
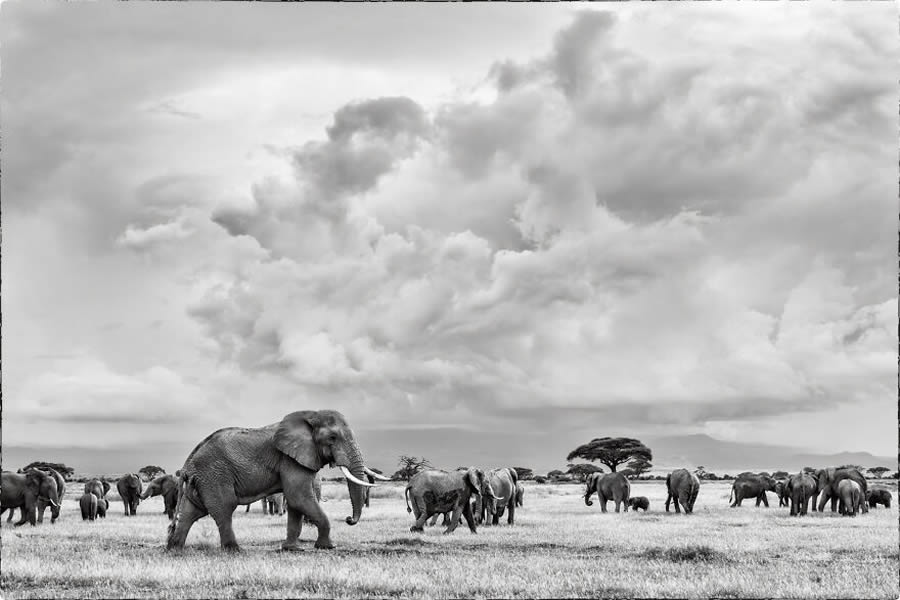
[721, 456]
[448, 447]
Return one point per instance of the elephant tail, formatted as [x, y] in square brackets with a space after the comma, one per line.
[406, 495]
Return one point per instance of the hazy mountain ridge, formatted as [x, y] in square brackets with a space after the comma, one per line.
[725, 456]
[447, 448]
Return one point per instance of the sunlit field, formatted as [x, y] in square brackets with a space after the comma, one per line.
[558, 548]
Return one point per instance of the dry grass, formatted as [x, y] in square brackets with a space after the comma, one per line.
[558, 548]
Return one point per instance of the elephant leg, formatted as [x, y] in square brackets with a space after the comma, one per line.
[28, 516]
[685, 504]
[221, 514]
[470, 518]
[185, 516]
[668, 500]
[511, 519]
[41, 507]
[676, 500]
[294, 527]
[301, 497]
[434, 519]
[603, 501]
[454, 519]
[834, 500]
[419, 525]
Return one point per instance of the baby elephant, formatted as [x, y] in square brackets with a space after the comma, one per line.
[102, 507]
[637, 502]
[878, 496]
[88, 503]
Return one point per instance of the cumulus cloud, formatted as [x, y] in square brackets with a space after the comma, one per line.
[617, 226]
[87, 390]
[577, 261]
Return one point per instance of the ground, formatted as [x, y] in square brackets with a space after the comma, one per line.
[558, 548]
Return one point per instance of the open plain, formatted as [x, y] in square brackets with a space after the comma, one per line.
[558, 548]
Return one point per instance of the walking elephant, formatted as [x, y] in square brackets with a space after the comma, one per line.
[23, 490]
[682, 486]
[608, 486]
[235, 466]
[503, 484]
[827, 481]
[167, 487]
[88, 503]
[60, 492]
[850, 494]
[130, 487]
[801, 489]
[878, 496]
[434, 492]
[520, 494]
[752, 486]
[636, 502]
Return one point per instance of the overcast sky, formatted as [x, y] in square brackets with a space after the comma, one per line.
[547, 221]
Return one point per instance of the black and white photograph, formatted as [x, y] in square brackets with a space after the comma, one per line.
[449, 299]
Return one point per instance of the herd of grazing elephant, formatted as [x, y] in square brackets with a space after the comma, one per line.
[279, 465]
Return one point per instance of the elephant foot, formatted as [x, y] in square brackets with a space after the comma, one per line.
[293, 547]
[324, 544]
[231, 548]
[415, 529]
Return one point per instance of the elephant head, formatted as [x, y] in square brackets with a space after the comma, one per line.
[484, 494]
[161, 486]
[44, 488]
[591, 487]
[318, 438]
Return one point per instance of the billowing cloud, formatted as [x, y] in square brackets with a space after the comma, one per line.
[617, 226]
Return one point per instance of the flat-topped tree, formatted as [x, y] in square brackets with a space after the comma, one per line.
[151, 472]
[582, 470]
[612, 452]
[878, 472]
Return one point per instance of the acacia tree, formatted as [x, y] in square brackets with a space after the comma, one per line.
[60, 468]
[582, 470]
[524, 473]
[637, 467]
[151, 472]
[409, 466]
[612, 452]
[878, 472]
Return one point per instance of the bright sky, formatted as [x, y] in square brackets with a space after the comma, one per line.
[640, 220]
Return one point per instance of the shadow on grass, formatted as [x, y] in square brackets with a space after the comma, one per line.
[690, 553]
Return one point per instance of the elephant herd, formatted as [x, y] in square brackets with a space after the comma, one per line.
[846, 488]
[279, 464]
[33, 490]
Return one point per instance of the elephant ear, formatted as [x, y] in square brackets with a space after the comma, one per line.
[105, 485]
[473, 479]
[294, 437]
[514, 476]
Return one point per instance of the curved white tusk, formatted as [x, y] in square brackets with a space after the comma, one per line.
[374, 474]
[350, 477]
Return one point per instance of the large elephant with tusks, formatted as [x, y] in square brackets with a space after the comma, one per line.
[235, 466]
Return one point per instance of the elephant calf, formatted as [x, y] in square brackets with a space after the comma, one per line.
[639, 502]
[878, 496]
[520, 494]
[88, 503]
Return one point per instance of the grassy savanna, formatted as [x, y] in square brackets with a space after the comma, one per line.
[558, 548]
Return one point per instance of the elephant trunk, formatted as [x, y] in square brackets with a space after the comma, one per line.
[357, 491]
